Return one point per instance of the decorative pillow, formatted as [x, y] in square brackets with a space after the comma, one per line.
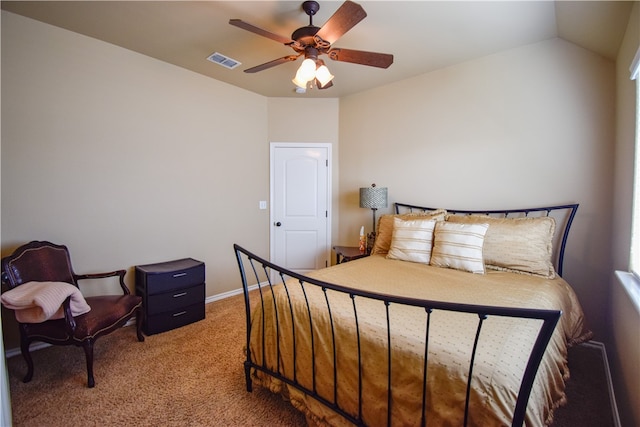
[459, 246]
[385, 227]
[412, 240]
[519, 245]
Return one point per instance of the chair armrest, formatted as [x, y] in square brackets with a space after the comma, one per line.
[70, 322]
[119, 273]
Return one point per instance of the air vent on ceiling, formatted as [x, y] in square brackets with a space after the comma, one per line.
[223, 60]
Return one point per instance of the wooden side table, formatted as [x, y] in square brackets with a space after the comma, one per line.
[348, 253]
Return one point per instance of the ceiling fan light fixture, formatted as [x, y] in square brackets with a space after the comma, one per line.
[307, 69]
[300, 81]
[305, 73]
[323, 75]
[325, 86]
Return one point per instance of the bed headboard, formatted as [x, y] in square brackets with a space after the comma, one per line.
[562, 214]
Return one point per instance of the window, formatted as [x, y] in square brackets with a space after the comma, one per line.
[634, 262]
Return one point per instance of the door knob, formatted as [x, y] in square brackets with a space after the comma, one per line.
[277, 224]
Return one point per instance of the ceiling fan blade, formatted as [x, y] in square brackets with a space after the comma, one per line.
[373, 59]
[264, 33]
[345, 18]
[271, 63]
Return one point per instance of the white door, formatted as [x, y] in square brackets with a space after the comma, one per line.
[300, 206]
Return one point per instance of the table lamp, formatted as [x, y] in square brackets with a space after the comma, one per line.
[374, 198]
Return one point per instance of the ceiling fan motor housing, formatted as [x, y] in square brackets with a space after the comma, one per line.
[304, 35]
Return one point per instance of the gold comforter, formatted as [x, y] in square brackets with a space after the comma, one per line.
[502, 352]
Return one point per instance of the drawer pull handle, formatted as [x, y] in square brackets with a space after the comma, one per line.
[179, 274]
[179, 314]
[181, 294]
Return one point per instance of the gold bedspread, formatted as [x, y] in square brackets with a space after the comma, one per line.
[502, 352]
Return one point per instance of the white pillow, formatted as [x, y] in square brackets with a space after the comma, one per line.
[411, 240]
[459, 246]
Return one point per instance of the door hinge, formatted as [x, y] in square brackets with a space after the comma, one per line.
[326, 263]
[326, 214]
[326, 162]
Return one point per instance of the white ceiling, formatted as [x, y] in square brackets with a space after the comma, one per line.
[422, 35]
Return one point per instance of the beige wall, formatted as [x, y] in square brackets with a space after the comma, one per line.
[624, 340]
[126, 159]
[526, 127]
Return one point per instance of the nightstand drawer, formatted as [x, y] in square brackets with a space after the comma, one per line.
[177, 299]
[174, 319]
[167, 276]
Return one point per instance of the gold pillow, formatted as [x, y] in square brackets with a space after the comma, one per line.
[412, 240]
[385, 227]
[459, 246]
[520, 245]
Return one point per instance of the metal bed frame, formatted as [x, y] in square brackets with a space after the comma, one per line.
[257, 274]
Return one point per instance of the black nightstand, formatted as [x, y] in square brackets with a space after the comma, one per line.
[173, 294]
[348, 253]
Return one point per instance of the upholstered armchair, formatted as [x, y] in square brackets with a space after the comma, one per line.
[44, 269]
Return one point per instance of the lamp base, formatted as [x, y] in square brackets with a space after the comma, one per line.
[373, 230]
[371, 239]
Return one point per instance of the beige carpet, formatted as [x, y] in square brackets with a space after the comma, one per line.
[193, 376]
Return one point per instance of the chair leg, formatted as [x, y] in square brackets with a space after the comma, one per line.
[24, 348]
[88, 351]
[139, 315]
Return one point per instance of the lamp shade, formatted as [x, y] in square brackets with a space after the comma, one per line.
[373, 197]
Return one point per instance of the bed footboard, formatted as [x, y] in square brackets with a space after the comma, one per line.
[261, 282]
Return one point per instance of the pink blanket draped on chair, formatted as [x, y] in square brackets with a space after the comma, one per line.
[36, 302]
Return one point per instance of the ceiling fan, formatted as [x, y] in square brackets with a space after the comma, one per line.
[312, 41]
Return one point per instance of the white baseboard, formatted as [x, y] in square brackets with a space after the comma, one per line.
[40, 345]
[612, 397]
[228, 294]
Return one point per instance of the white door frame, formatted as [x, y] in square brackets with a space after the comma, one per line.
[272, 147]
